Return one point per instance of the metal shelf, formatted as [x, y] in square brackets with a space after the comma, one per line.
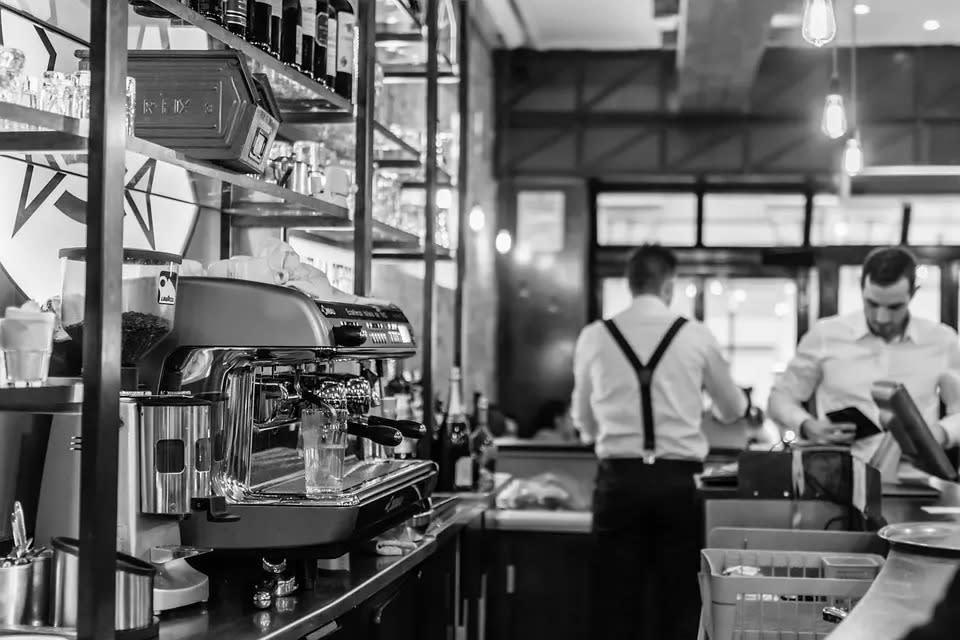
[54, 133]
[398, 14]
[403, 253]
[394, 141]
[383, 235]
[56, 395]
[295, 92]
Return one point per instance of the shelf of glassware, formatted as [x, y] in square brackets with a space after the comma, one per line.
[295, 91]
[398, 15]
[24, 130]
[56, 395]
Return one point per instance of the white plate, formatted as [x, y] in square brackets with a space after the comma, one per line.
[925, 535]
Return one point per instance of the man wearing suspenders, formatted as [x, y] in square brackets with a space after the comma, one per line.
[638, 382]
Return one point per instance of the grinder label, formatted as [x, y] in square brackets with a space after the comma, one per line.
[167, 288]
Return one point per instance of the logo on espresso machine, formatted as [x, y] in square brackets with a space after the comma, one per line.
[167, 288]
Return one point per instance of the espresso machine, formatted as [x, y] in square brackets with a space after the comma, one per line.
[264, 352]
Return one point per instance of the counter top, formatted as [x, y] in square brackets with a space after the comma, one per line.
[230, 614]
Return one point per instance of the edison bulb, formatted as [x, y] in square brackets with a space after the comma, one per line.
[834, 122]
[504, 241]
[852, 157]
[477, 218]
[819, 22]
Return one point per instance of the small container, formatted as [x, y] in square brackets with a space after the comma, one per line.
[14, 593]
[862, 567]
[38, 604]
[324, 448]
[26, 342]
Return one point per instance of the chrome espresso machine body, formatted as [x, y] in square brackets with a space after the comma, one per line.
[259, 350]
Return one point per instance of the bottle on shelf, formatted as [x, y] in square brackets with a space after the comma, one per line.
[210, 9]
[235, 16]
[259, 16]
[456, 467]
[331, 44]
[291, 34]
[346, 36]
[276, 26]
[308, 34]
[483, 446]
[320, 40]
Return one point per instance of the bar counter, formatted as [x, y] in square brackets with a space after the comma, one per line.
[231, 615]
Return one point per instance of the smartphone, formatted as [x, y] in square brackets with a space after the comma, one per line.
[865, 426]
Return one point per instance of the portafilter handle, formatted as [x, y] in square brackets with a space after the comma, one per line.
[386, 436]
[407, 428]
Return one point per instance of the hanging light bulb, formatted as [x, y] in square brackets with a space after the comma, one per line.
[853, 156]
[477, 218]
[504, 241]
[819, 22]
[834, 122]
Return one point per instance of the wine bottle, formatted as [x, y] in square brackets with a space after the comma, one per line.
[259, 15]
[457, 454]
[483, 446]
[346, 32]
[235, 17]
[276, 24]
[291, 34]
[320, 41]
[309, 33]
[210, 9]
[331, 44]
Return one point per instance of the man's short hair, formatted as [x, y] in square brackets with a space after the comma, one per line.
[649, 267]
[886, 265]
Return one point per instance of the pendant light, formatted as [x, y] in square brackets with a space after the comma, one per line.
[852, 151]
[819, 22]
[834, 121]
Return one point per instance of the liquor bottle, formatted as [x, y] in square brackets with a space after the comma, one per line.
[210, 9]
[331, 44]
[455, 445]
[320, 40]
[259, 16]
[484, 447]
[291, 34]
[309, 21]
[346, 34]
[276, 26]
[235, 17]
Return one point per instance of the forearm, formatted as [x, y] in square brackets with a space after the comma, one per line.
[786, 410]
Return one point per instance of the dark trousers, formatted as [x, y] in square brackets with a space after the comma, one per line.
[648, 531]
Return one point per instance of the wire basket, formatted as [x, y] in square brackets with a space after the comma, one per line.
[779, 595]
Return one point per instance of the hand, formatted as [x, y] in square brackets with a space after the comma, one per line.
[826, 432]
[939, 434]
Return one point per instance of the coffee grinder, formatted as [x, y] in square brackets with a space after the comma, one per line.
[165, 450]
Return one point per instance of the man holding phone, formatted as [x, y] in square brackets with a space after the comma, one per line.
[840, 358]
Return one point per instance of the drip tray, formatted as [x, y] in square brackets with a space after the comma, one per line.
[376, 495]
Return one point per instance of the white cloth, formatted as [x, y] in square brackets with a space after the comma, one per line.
[839, 359]
[606, 397]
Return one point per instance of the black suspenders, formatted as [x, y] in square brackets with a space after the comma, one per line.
[645, 376]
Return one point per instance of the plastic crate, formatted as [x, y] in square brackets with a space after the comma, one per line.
[795, 540]
[784, 602]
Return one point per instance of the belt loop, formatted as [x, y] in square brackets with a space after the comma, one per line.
[649, 457]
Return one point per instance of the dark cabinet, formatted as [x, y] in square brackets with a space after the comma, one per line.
[538, 586]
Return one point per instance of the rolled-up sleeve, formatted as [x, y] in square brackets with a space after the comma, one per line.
[950, 394]
[797, 384]
[729, 400]
[580, 411]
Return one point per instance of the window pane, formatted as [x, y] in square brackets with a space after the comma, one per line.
[926, 303]
[755, 220]
[755, 321]
[861, 221]
[638, 218]
[616, 296]
[934, 221]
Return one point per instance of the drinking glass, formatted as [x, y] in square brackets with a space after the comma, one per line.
[80, 107]
[324, 448]
[11, 74]
[54, 93]
[26, 341]
[131, 105]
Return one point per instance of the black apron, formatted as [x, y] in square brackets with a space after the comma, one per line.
[644, 374]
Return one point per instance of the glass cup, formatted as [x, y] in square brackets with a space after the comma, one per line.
[80, 107]
[26, 341]
[11, 74]
[324, 448]
[55, 93]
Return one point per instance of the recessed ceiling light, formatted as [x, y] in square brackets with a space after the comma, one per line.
[931, 25]
[861, 9]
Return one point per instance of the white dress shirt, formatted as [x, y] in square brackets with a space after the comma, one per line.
[839, 359]
[606, 394]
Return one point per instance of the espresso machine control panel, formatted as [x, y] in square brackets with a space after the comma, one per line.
[367, 325]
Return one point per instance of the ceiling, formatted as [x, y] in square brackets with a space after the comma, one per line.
[630, 24]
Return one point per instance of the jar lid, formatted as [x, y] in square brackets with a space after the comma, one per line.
[142, 256]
